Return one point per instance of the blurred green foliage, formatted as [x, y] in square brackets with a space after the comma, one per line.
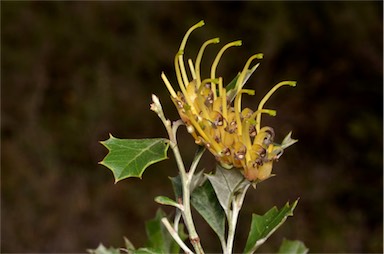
[73, 72]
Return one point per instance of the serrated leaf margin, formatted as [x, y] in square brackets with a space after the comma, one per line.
[119, 178]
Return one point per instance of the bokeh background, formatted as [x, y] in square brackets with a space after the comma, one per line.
[73, 72]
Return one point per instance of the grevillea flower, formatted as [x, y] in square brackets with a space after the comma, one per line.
[213, 115]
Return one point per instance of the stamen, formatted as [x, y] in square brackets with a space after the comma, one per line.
[220, 86]
[168, 85]
[270, 112]
[239, 82]
[200, 102]
[216, 62]
[206, 81]
[247, 140]
[200, 55]
[237, 106]
[223, 95]
[193, 73]
[178, 74]
[184, 41]
[182, 68]
[267, 96]
[216, 105]
[181, 84]
[203, 134]
[181, 51]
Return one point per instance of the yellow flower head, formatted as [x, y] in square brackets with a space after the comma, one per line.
[214, 117]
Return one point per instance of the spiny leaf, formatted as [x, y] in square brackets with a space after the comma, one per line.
[263, 226]
[293, 247]
[204, 200]
[130, 157]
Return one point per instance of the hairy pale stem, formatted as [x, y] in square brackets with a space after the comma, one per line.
[175, 235]
[186, 182]
[237, 203]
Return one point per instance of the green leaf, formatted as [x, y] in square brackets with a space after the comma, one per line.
[226, 183]
[146, 251]
[102, 250]
[263, 226]
[197, 180]
[231, 87]
[288, 141]
[130, 157]
[232, 84]
[167, 201]
[293, 247]
[177, 186]
[175, 248]
[204, 200]
[159, 238]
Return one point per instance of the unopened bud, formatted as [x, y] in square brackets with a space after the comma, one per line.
[156, 105]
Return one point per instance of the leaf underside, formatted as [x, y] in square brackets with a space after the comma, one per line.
[130, 157]
[226, 183]
[204, 200]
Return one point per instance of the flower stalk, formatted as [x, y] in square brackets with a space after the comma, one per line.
[237, 203]
[185, 177]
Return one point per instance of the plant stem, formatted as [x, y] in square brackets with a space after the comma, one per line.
[177, 220]
[185, 179]
[237, 203]
[175, 235]
[186, 182]
[195, 161]
[232, 221]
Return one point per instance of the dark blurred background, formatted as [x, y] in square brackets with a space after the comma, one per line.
[73, 72]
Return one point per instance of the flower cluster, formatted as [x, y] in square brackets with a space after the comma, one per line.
[214, 117]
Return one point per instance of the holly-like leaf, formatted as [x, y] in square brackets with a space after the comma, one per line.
[262, 226]
[293, 247]
[226, 183]
[130, 157]
[204, 200]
